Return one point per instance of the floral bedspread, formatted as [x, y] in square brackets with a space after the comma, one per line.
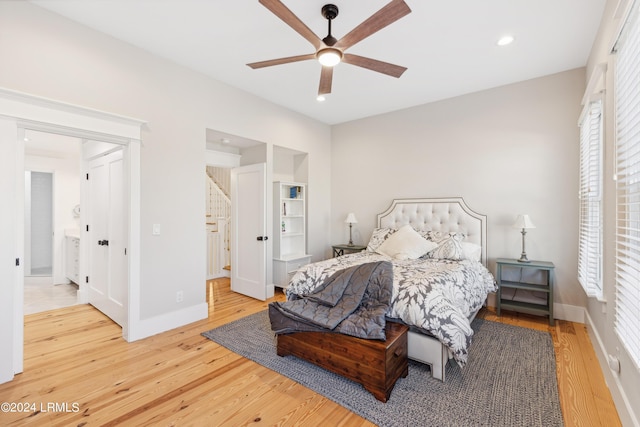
[436, 295]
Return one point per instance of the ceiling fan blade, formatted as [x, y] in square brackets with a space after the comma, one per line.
[374, 65]
[326, 77]
[280, 61]
[389, 14]
[281, 11]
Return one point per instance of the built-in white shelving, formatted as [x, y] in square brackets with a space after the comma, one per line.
[290, 230]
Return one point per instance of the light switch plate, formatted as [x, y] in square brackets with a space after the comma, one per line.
[156, 230]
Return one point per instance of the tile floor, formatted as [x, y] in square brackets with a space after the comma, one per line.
[40, 294]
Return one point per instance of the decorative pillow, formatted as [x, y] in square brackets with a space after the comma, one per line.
[406, 243]
[378, 236]
[471, 251]
[449, 245]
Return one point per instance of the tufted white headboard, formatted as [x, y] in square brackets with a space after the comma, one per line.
[439, 214]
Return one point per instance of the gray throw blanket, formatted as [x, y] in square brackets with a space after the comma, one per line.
[353, 301]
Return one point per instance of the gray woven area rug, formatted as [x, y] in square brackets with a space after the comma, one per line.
[509, 380]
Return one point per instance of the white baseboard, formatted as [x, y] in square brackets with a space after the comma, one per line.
[82, 295]
[155, 325]
[571, 313]
[620, 399]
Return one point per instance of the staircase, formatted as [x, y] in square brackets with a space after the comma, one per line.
[222, 178]
[218, 219]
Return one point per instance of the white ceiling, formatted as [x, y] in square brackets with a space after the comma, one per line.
[449, 47]
[50, 144]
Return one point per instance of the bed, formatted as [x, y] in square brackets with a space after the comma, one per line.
[436, 294]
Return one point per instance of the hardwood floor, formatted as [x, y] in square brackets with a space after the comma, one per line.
[79, 371]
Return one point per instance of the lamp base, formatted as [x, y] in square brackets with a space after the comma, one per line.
[523, 255]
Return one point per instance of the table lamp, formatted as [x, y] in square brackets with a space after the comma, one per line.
[524, 222]
[351, 219]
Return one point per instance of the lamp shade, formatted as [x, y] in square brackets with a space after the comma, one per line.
[523, 221]
[351, 219]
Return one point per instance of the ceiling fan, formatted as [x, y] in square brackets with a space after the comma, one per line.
[329, 50]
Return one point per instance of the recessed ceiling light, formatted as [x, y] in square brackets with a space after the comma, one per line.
[225, 140]
[505, 40]
[320, 98]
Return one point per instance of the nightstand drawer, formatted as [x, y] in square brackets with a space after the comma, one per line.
[293, 266]
[284, 269]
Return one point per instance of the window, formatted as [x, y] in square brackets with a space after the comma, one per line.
[590, 194]
[627, 94]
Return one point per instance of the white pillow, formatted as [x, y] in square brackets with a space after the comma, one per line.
[471, 251]
[406, 243]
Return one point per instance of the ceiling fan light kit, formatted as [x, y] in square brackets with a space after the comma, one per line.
[329, 56]
[329, 50]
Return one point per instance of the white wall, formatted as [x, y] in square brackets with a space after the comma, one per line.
[50, 56]
[507, 150]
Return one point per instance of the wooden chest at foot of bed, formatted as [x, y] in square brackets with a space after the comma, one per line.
[375, 364]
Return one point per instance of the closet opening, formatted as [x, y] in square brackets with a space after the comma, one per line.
[38, 198]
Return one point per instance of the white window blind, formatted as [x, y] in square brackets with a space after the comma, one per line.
[590, 194]
[627, 94]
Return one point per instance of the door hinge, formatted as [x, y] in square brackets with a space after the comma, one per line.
[86, 279]
[87, 177]
[17, 262]
[125, 251]
[87, 227]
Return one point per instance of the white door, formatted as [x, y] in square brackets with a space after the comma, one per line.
[108, 283]
[11, 273]
[249, 231]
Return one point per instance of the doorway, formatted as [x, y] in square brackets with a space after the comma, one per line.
[20, 112]
[225, 150]
[218, 217]
[280, 163]
[51, 194]
[80, 212]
